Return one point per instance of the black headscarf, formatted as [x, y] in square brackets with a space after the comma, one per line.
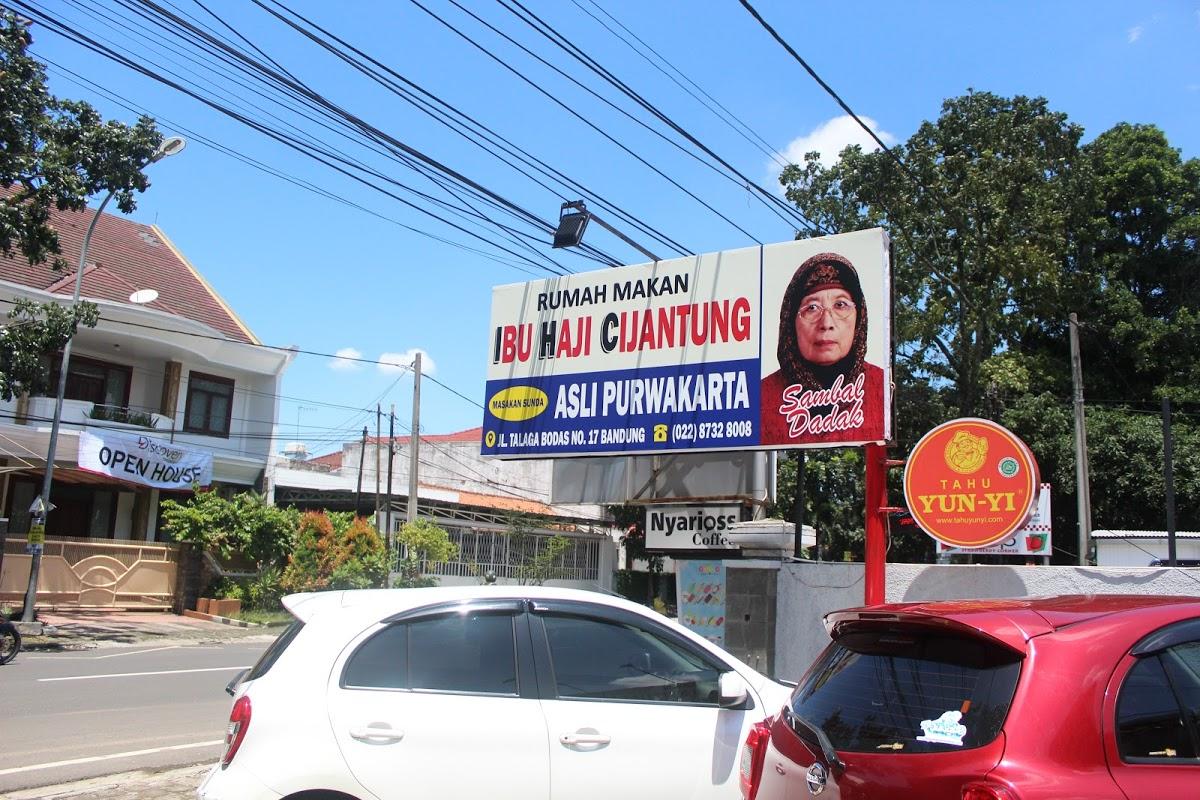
[822, 271]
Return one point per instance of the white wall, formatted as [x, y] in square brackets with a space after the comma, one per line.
[1140, 552]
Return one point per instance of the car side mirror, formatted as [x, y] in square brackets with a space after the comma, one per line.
[732, 690]
[231, 687]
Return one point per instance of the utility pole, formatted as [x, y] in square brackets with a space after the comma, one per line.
[387, 512]
[414, 441]
[1082, 491]
[1169, 478]
[362, 452]
[378, 437]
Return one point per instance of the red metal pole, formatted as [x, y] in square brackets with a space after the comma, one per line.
[876, 534]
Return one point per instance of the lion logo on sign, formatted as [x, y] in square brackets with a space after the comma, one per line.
[966, 453]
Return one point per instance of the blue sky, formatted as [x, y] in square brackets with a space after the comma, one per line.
[317, 273]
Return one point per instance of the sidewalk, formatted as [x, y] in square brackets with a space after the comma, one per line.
[86, 630]
[179, 783]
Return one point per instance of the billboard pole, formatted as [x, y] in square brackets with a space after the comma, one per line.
[876, 536]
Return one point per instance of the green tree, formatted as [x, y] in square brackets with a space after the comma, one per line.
[54, 154]
[534, 558]
[244, 524]
[1003, 224]
[421, 543]
[982, 216]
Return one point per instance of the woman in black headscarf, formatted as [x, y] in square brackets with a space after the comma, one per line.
[824, 389]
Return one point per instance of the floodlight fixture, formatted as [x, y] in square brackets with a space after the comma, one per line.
[572, 222]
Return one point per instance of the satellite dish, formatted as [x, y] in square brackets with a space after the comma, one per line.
[143, 296]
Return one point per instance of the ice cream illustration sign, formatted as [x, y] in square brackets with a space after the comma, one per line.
[970, 483]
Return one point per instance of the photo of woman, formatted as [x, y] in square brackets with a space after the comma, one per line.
[825, 390]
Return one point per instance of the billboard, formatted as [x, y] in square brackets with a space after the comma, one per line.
[779, 346]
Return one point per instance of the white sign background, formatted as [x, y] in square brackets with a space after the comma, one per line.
[142, 459]
[690, 527]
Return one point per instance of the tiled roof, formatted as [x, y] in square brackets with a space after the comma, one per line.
[469, 435]
[124, 256]
[329, 459]
[503, 503]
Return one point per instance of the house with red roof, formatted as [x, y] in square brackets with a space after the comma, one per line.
[170, 388]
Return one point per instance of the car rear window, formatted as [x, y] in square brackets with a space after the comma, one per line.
[272, 653]
[901, 692]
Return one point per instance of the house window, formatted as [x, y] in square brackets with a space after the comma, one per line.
[96, 381]
[209, 405]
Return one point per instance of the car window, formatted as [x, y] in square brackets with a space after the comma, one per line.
[908, 693]
[1158, 707]
[601, 660]
[453, 653]
[275, 650]
[381, 662]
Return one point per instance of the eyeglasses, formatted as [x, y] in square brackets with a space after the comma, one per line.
[812, 312]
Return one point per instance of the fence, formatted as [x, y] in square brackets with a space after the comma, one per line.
[510, 557]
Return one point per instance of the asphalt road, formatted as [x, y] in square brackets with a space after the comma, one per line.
[67, 716]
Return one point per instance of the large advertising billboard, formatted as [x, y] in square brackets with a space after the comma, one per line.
[780, 346]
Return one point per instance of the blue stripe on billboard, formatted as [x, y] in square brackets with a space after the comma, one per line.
[707, 406]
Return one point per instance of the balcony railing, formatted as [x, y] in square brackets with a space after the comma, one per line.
[84, 412]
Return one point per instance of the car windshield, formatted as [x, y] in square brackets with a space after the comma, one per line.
[902, 692]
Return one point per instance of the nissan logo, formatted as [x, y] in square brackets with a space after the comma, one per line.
[816, 778]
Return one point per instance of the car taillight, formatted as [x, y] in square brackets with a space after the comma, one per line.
[235, 732]
[987, 791]
[753, 752]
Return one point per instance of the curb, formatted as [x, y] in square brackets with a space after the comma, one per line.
[237, 623]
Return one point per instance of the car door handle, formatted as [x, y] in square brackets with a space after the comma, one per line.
[377, 733]
[584, 738]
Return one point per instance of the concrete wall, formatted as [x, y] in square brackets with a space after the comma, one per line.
[809, 590]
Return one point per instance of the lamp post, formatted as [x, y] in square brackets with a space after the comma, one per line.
[41, 506]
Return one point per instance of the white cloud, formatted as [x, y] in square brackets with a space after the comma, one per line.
[830, 138]
[394, 363]
[344, 360]
[1135, 33]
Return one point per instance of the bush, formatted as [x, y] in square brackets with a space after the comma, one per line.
[264, 591]
[244, 524]
[306, 565]
[335, 551]
[224, 588]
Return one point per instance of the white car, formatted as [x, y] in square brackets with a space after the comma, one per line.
[488, 692]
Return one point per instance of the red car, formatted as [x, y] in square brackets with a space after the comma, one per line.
[1058, 698]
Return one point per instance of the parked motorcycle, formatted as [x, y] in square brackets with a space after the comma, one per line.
[10, 641]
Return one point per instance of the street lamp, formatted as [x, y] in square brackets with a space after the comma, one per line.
[572, 222]
[41, 506]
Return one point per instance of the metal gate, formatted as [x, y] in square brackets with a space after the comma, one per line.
[93, 573]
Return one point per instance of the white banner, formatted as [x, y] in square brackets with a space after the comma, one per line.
[1031, 540]
[142, 459]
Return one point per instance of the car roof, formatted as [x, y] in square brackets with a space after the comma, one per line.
[305, 605]
[1009, 621]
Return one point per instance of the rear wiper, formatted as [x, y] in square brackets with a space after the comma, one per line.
[794, 721]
